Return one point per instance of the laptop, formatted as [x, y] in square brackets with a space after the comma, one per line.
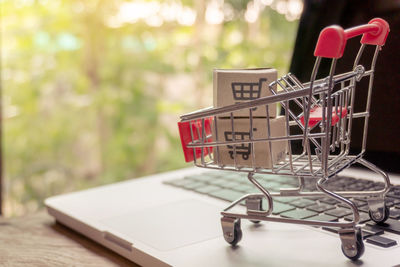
[173, 219]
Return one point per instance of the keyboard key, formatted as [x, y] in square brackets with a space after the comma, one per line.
[281, 207]
[298, 214]
[287, 179]
[358, 203]
[286, 199]
[193, 185]
[310, 187]
[381, 241]
[233, 185]
[201, 177]
[364, 208]
[356, 187]
[278, 207]
[390, 202]
[302, 203]
[275, 178]
[393, 195]
[217, 181]
[320, 207]
[350, 180]
[364, 199]
[271, 186]
[394, 192]
[207, 189]
[265, 177]
[367, 183]
[324, 218]
[313, 198]
[245, 182]
[179, 182]
[395, 213]
[217, 173]
[248, 189]
[226, 194]
[339, 212]
[363, 185]
[336, 188]
[365, 235]
[390, 225]
[329, 200]
[377, 186]
[372, 229]
[233, 176]
[364, 217]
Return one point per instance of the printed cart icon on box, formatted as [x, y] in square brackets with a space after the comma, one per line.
[242, 149]
[247, 91]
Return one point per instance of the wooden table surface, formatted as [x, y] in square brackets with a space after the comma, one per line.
[37, 240]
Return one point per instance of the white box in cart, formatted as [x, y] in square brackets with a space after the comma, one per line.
[224, 155]
[231, 86]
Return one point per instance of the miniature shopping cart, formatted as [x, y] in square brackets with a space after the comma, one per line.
[318, 114]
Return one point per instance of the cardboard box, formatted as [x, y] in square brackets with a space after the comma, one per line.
[224, 155]
[231, 86]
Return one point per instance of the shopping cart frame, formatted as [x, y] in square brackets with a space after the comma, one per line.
[324, 164]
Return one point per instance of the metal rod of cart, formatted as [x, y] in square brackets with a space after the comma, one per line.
[319, 115]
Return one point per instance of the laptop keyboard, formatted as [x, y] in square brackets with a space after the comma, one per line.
[230, 186]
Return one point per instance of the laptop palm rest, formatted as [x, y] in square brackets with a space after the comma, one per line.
[163, 228]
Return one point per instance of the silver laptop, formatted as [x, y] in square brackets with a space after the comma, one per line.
[173, 219]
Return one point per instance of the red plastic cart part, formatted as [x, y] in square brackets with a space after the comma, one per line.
[332, 40]
[316, 116]
[197, 129]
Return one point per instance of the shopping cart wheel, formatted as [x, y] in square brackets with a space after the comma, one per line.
[231, 230]
[351, 251]
[254, 204]
[378, 217]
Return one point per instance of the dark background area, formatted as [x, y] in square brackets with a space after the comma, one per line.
[383, 143]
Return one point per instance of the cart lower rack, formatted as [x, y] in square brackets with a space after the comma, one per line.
[318, 116]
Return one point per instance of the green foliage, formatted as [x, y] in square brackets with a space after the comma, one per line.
[88, 103]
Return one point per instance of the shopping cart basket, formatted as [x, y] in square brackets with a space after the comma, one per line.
[319, 114]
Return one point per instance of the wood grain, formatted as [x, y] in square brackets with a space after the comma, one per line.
[37, 240]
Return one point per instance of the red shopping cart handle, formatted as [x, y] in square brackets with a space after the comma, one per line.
[316, 116]
[197, 131]
[332, 40]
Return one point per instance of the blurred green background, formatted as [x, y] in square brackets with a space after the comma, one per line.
[92, 89]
